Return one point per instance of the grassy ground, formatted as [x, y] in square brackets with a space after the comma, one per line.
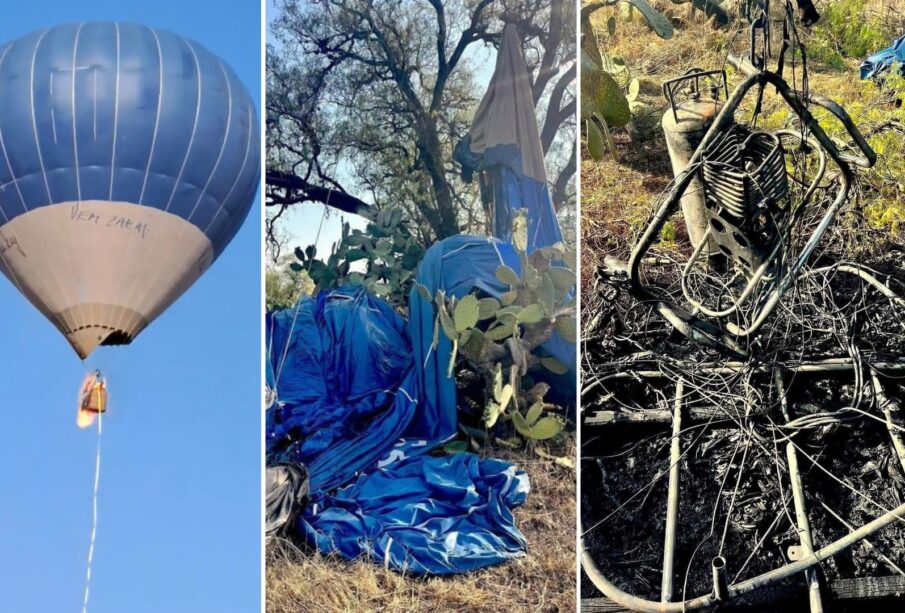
[617, 196]
[544, 580]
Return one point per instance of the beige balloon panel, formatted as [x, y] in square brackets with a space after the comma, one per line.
[102, 270]
[495, 122]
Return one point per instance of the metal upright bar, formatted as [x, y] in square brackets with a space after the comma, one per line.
[672, 502]
[889, 407]
[801, 513]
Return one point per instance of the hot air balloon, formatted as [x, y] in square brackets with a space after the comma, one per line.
[129, 158]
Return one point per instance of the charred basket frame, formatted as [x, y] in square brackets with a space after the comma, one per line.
[772, 269]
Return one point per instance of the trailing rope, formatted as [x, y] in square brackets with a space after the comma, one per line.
[97, 474]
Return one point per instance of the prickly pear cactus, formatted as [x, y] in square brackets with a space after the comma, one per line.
[495, 334]
[383, 258]
[608, 91]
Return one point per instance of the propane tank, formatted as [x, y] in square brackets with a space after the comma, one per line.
[684, 125]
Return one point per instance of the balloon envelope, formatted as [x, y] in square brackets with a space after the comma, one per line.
[129, 158]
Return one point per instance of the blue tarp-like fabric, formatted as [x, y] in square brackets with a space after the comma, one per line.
[425, 515]
[355, 407]
[341, 384]
[883, 61]
[458, 265]
[508, 189]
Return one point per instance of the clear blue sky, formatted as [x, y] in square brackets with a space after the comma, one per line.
[179, 517]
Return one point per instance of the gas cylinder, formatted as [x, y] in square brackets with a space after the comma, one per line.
[684, 125]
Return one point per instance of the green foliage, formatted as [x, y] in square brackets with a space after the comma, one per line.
[528, 312]
[284, 286]
[847, 30]
[609, 93]
[383, 258]
[668, 234]
[531, 423]
[494, 335]
[540, 430]
[502, 395]
[875, 109]
[884, 184]
[595, 142]
[453, 447]
[601, 95]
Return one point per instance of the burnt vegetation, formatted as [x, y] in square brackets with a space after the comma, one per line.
[815, 393]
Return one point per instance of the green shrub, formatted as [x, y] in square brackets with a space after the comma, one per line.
[847, 30]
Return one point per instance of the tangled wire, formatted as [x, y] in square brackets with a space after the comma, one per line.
[820, 377]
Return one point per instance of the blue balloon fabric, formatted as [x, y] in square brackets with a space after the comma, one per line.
[363, 396]
[425, 515]
[508, 189]
[360, 406]
[340, 365]
[457, 265]
[882, 61]
[126, 113]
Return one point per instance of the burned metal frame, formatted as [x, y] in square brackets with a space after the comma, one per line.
[709, 326]
[694, 76]
[726, 337]
[805, 557]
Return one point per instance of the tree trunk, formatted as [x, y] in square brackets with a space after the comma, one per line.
[445, 224]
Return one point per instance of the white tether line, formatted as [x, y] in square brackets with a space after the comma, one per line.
[97, 474]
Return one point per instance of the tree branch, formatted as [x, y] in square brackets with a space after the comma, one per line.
[555, 114]
[469, 35]
[298, 190]
[560, 194]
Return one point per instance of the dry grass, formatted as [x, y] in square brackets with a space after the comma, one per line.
[544, 580]
[618, 196]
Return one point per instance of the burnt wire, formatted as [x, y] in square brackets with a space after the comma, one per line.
[824, 313]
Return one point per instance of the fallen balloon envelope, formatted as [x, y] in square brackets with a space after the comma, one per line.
[363, 397]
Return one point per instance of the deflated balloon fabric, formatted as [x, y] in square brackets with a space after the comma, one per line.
[363, 396]
[504, 144]
[882, 61]
[457, 265]
[340, 382]
[425, 515]
[508, 189]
